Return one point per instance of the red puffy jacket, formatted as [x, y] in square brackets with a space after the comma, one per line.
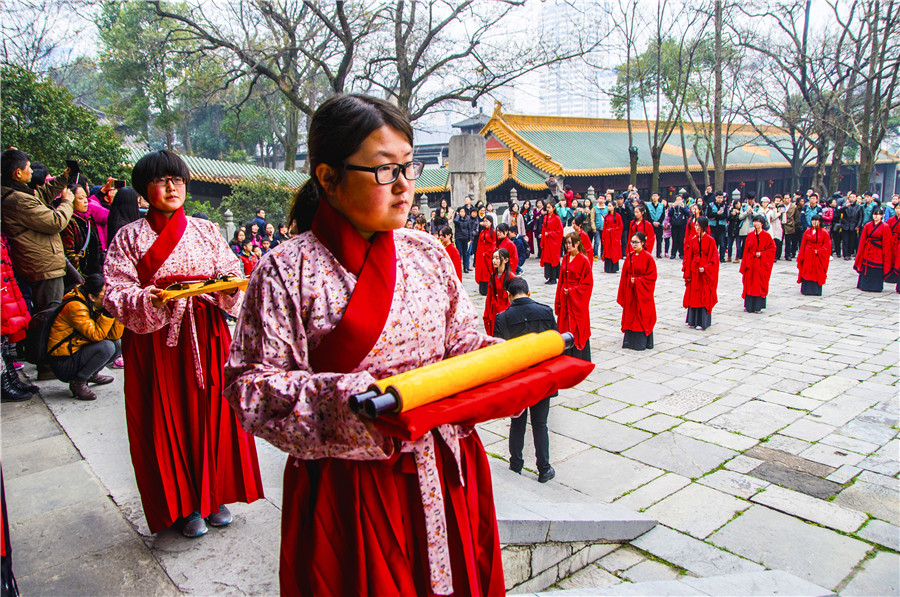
[14, 315]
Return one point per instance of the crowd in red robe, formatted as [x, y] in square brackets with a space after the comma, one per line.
[875, 256]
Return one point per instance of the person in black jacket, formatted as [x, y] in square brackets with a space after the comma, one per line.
[462, 225]
[678, 217]
[851, 220]
[524, 316]
[717, 214]
[625, 209]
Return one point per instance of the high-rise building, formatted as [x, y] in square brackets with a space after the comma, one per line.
[574, 87]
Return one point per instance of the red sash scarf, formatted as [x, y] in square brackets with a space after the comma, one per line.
[375, 266]
[170, 231]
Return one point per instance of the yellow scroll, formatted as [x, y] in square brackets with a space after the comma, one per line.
[177, 291]
[438, 380]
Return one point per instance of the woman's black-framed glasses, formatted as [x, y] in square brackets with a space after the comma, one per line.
[388, 173]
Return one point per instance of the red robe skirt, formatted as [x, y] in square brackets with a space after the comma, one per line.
[573, 295]
[513, 253]
[497, 300]
[456, 259]
[690, 233]
[876, 248]
[487, 244]
[645, 227]
[387, 529]
[814, 256]
[757, 271]
[893, 273]
[612, 236]
[636, 299]
[700, 288]
[551, 240]
[188, 450]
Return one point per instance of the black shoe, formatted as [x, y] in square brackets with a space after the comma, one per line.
[222, 518]
[10, 393]
[14, 379]
[516, 469]
[546, 475]
[672, 257]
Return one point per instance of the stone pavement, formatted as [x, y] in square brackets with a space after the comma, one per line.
[765, 442]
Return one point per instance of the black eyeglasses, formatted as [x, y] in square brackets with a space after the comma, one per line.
[388, 173]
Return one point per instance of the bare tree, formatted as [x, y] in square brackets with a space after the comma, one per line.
[428, 52]
[31, 34]
[287, 42]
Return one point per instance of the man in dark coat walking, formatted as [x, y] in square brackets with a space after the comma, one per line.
[524, 316]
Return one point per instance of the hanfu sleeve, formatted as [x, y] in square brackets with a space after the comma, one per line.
[125, 298]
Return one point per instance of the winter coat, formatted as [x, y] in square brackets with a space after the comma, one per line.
[14, 315]
[89, 323]
[32, 229]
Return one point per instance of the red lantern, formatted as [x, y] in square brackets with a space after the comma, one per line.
[771, 182]
[742, 185]
[671, 189]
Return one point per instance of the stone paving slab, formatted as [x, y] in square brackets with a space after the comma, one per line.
[714, 435]
[877, 500]
[781, 542]
[789, 460]
[692, 554]
[683, 402]
[683, 455]
[796, 480]
[733, 483]
[654, 491]
[601, 433]
[756, 418]
[882, 533]
[809, 508]
[697, 510]
[878, 577]
[634, 391]
[603, 475]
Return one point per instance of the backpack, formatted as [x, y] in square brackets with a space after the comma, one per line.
[38, 334]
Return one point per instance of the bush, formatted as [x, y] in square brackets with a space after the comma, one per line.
[40, 118]
[192, 206]
[263, 193]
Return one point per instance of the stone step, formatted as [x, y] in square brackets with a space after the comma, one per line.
[540, 522]
[771, 582]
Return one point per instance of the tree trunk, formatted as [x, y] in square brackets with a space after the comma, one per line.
[718, 162]
[837, 155]
[687, 170]
[866, 165]
[633, 159]
[655, 155]
[818, 181]
[186, 140]
[291, 135]
[170, 140]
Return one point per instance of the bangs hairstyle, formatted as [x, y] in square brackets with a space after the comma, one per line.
[156, 164]
[575, 239]
[337, 130]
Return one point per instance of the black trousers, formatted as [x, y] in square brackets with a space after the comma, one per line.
[718, 234]
[539, 431]
[778, 244]
[47, 292]
[849, 240]
[836, 241]
[677, 241]
[659, 240]
[792, 245]
[89, 360]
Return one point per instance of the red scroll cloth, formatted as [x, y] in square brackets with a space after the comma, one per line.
[500, 399]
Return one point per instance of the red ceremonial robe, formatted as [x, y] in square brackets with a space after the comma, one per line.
[893, 274]
[357, 527]
[573, 294]
[612, 236]
[645, 227]
[586, 245]
[636, 298]
[690, 233]
[814, 256]
[487, 244]
[551, 240]
[757, 271]
[700, 287]
[455, 258]
[513, 253]
[188, 450]
[497, 300]
[876, 248]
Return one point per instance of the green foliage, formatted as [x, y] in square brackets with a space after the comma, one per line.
[40, 118]
[262, 193]
[192, 206]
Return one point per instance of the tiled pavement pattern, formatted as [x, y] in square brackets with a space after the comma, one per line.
[767, 441]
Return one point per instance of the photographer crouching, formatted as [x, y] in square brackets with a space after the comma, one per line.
[84, 338]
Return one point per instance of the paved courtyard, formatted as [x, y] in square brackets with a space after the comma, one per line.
[768, 441]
